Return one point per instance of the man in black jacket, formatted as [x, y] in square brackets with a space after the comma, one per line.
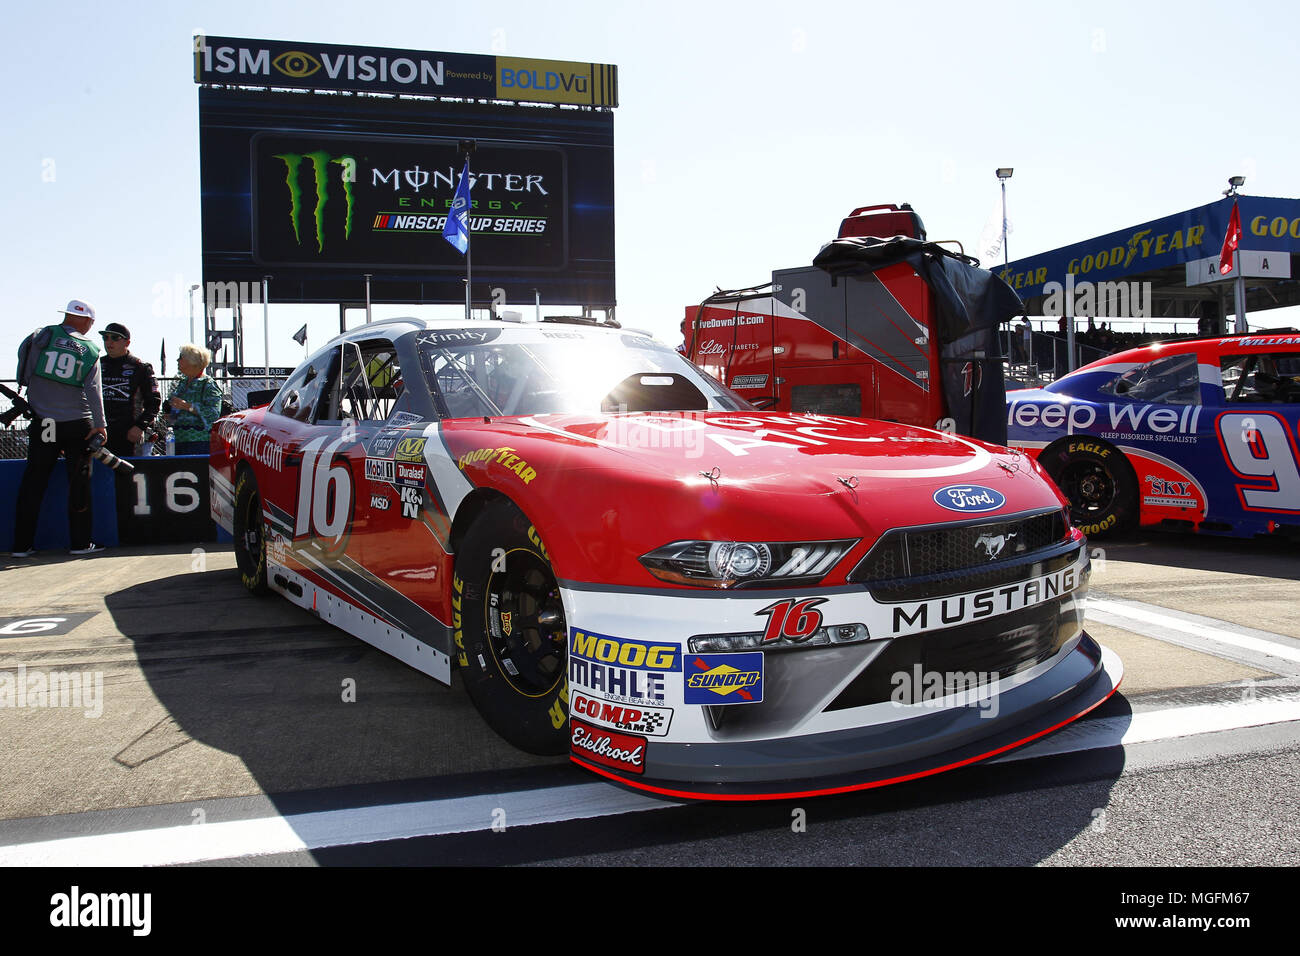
[131, 396]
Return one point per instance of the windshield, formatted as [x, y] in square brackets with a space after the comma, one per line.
[535, 371]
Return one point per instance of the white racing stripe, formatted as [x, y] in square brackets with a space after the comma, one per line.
[1203, 627]
[328, 828]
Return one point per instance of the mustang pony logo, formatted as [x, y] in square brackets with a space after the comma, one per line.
[992, 544]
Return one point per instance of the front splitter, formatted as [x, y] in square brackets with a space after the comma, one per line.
[1086, 697]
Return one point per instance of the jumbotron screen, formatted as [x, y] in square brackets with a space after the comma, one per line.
[316, 190]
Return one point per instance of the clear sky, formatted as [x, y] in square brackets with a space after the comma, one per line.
[746, 131]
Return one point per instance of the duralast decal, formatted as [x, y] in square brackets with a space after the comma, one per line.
[408, 476]
[504, 456]
[912, 616]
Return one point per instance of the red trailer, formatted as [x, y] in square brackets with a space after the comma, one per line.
[883, 325]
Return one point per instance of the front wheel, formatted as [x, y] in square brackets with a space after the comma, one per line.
[510, 631]
[1100, 484]
[250, 540]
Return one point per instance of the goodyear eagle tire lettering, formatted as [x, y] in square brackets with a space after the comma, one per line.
[1100, 483]
[250, 534]
[510, 632]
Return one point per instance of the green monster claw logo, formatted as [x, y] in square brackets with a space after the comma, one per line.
[320, 163]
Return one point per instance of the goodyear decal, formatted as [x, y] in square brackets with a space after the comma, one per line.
[505, 457]
[622, 652]
[724, 679]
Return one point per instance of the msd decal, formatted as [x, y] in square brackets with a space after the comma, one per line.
[724, 679]
[969, 499]
[651, 721]
[620, 751]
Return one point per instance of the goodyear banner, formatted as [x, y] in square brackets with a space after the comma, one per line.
[322, 200]
[233, 61]
[1268, 224]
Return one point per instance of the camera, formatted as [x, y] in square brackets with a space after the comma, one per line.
[98, 451]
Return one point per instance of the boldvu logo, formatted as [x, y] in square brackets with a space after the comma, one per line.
[322, 166]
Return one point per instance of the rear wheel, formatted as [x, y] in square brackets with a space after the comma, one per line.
[1099, 482]
[510, 632]
[250, 540]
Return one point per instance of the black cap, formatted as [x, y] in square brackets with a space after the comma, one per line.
[116, 328]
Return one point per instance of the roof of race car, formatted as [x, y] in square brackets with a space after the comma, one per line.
[407, 325]
[1249, 341]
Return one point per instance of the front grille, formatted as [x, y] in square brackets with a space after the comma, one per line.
[1004, 646]
[909, 564]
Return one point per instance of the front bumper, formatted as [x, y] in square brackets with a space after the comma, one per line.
[999, 667]
[884, 754]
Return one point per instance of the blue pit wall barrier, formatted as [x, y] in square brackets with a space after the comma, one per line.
[165, 501]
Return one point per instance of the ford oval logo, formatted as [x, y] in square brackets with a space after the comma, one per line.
[969, 499]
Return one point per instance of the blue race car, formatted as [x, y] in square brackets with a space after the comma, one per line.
[1196, 435]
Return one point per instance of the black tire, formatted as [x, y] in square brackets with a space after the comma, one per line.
[510, 631]
[250, 539]
[1099, 482]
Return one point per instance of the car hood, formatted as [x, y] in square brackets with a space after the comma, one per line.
[660, 477]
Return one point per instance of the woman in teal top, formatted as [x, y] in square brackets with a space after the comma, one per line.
[194, 403]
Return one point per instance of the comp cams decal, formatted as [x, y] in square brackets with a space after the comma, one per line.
[651, 721]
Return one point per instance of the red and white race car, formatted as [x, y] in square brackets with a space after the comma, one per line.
[628, 563]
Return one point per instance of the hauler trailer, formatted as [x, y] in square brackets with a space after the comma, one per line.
[884, 324]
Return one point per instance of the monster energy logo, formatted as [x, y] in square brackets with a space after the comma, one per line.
[320, 163]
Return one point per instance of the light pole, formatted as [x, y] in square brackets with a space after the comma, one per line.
[194, 288]
[1239, 283]
[1004, 173]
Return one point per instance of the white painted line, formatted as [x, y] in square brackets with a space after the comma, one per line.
[310, 831]
[1134, 612]
[1155, 725]
[330, 828]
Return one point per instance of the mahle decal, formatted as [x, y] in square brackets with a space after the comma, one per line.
[320, 162]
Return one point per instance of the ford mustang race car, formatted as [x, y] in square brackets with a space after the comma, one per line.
[1198, 435]
[627, 563]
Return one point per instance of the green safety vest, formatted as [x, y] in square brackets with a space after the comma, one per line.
[67, 357]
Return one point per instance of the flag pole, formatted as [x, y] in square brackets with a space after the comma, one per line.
[467, 147]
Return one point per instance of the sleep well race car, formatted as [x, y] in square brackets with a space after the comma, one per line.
[1197, 435]
[629, 564]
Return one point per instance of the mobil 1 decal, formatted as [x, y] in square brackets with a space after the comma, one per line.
[621, 669]
[323, 513]
[332, 200]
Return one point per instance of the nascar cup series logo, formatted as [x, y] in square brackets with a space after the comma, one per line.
[969, 499]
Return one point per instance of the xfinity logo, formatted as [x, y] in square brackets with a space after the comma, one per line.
[969, 499]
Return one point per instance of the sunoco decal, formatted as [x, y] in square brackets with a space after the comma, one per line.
[724, 679]
[969, 499]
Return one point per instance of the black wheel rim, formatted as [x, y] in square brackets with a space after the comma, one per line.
[1090, 487]
[253, 528]
[525, 623]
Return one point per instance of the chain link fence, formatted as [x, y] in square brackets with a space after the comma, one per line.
[13, 441]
